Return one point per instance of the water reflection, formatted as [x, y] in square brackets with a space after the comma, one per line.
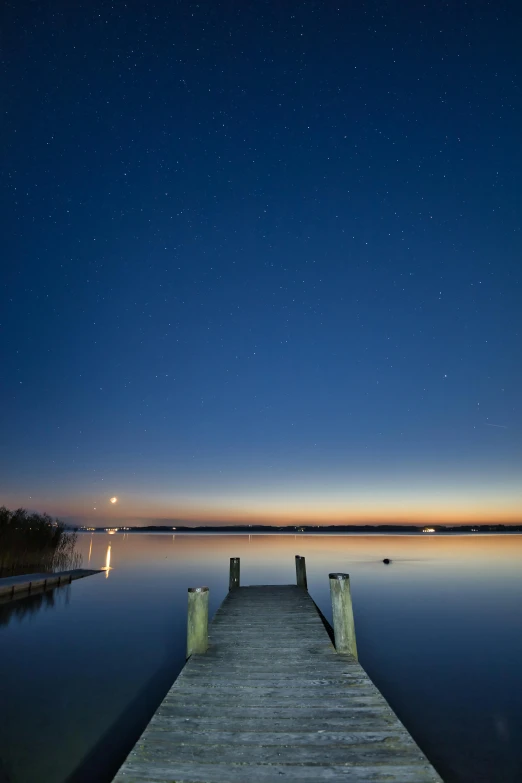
[19, 607]
[420, 625]
[107, 566]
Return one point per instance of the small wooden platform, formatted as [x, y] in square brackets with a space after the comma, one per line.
[271, 700]
[26, 583]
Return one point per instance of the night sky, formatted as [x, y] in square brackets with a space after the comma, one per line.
[261, 261]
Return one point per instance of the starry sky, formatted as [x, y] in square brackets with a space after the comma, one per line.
[261, 260]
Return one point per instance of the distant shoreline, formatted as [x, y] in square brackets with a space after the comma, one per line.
[316, 529]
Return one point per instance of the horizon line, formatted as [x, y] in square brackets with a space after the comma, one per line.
[434, 525]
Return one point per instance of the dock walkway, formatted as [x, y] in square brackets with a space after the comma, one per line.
[11, 585]
[272, 700]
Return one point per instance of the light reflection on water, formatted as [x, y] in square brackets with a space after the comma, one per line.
[438, 629]
[107, 566]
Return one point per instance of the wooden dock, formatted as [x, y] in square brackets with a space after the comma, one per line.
[27, 583]
[271, 699]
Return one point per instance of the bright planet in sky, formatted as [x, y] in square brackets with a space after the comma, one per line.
[114, 500]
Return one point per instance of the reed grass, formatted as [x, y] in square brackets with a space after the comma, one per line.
[35, 542]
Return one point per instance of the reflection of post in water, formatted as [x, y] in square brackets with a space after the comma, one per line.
[107, 567]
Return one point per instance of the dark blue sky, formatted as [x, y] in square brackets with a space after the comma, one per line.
[262, 260]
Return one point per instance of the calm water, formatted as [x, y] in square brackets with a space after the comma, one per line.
[439, 630]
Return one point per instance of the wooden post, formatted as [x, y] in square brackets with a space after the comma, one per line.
[300, 571]
[233, 581]
[342, 610]
[197, 620]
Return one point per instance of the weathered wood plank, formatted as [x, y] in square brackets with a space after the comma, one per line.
[195, 772]
[294, 724]
[164, 731]
[157, 748]
[263, 680]
[220, 703]
[316, 715]
[253, 695]
[279, 672]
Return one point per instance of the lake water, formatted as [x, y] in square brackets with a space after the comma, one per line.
[439, 630]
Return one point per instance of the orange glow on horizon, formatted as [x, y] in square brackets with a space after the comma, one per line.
[420, 505]
[140, 514]
[278, 512]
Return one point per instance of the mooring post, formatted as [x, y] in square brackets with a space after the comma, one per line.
[197, 620]
[233, 581]
[342, 610]
[300, 572]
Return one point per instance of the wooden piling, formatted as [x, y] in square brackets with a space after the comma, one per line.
[300, 571]
[197, 620]
[233, 581]
[342, 610]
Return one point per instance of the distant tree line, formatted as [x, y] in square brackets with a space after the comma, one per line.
[28, 540]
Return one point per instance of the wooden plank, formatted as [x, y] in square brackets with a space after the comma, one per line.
[243, 672]
[203, 773]
[221, 702]
[157, 749]
[270, 700]
[360, 720]
[321, 713]
[165, 731]
[256, 695]
[263, 680]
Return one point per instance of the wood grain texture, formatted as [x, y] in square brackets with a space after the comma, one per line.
[197, 620]
[272, 700]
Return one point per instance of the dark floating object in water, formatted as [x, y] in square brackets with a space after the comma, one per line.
[386, 561]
